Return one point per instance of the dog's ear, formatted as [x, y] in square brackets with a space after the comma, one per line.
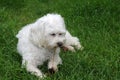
[37, 33]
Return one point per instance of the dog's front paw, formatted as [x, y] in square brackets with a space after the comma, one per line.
[71, 48]
[68, 48]
[52, 67]
[81, 48]
[52, 70]
[78, 46]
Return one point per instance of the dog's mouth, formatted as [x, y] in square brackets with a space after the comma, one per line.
[58, 46]
[64, 48]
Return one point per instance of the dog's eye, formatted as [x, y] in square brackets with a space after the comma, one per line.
[53, 34]
[60, 34]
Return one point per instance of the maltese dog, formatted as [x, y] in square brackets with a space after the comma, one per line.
[41, 41]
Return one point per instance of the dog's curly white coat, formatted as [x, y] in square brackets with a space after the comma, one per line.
[38, 42]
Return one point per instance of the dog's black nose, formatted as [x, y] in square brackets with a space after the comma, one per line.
[60, 44]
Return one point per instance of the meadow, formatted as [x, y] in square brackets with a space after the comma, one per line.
[95, 22]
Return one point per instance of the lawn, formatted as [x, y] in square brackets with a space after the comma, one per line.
[95, 22]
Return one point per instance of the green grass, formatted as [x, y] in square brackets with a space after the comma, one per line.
[95, 22]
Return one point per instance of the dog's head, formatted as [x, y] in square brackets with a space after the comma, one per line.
[55, 36]
[50, 31]
[54, 31]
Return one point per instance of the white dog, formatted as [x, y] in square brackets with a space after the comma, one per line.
[42, 40]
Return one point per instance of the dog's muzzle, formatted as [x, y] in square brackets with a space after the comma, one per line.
[60, 44]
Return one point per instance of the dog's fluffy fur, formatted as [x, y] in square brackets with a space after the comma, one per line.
[41, 41]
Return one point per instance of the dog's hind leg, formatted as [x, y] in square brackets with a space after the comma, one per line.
[34, 70]
[30, 67]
